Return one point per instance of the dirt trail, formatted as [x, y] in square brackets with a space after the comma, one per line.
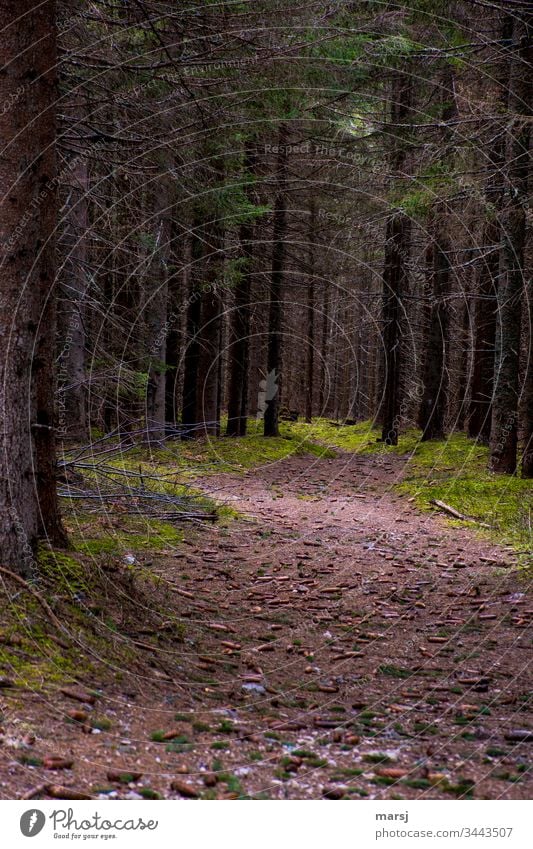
[339, 644]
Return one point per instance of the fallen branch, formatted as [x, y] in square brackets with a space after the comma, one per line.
[44, 604]
[37, 791]
[456, 514]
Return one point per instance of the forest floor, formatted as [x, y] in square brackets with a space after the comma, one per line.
[333, 642]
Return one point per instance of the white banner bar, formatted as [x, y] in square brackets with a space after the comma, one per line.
[246, 824]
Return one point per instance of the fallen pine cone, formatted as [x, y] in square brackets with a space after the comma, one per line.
[57, 762]
[123, 776]
[77, 715]
[184, 789]
[78, 695]
[391, 772]
[57, 791]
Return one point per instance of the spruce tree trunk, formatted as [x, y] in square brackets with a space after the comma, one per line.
[239, 333]
[275, 316]
[512, 283]
[324, 349]
[310, 360]
[28, 500]
[72, 389]
[178, 287]
[394, 274]
[190, 363]
[156, 308]
[397, 249]
[239, 348]
[207, 397]
[527, 412]
[434, 399]
[480, 409]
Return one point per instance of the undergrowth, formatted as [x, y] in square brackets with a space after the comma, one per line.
[454, 470]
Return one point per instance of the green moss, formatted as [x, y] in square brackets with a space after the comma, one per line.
[394, 671]
[455, 471]
[64, 571]
[135, 534]
[148, 793]
[101, 723]
[355, 438]
[377, 758]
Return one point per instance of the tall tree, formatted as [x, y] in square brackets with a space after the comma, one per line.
[28, 500]
[480, 410]
[397, 248]
[433, 403]
[275, 316]
[239, 342]
[512, 282]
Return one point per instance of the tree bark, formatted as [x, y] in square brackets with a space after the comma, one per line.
[156, 320]
[239, 347]
[192, 347]
[28, 499]
[433, 405]
[275, 316]
[480, 408]
[394, 274]
[512, 283]
[72, 389]
[397, 248]
[208, 389]
[310, 362]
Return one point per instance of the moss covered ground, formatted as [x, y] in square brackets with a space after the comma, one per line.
[453, 470]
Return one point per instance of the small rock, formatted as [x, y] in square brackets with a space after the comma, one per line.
[254, 688]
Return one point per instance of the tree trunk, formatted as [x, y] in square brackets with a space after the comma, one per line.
[527, 412]
[433, 406]
[275, 316]
[480, 412]
[156, 320]
[207, 397]
[192, 351]
[512, 284]
[394, 274]
[239, 353]
[397, 248]
[324, 349]
[239, 347]
[310, 363]
[72, 388]
[28, 500]
[480, 409]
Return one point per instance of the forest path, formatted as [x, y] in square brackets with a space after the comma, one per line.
[339, 643]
